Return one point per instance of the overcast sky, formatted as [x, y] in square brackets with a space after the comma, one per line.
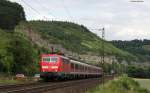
[122, 19]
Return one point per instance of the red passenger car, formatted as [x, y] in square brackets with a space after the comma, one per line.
[54, 66]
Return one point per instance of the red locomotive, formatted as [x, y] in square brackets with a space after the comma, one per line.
[54, 66]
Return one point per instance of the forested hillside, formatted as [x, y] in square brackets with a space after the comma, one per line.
[73, 37]
[140, 48]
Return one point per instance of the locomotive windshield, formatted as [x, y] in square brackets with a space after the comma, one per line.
[49, 59]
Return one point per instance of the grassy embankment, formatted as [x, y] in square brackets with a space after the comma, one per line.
[13, 80]
[5, 79]
[122, 84]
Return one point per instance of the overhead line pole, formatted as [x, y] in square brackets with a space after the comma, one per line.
[103, 52]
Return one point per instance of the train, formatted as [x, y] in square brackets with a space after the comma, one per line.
[59, 67]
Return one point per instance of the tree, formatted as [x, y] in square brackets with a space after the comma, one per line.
[25, 58]
[10, 14]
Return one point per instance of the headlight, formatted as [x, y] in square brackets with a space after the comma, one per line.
[44, 66]
[54, 67]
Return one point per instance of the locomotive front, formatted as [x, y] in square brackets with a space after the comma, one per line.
[49, 65]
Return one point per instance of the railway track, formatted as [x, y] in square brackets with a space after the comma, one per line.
[43, 87]
[6, 88]
[15, 85]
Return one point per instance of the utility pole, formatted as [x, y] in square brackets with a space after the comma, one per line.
[103, 52]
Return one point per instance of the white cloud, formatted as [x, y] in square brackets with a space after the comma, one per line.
[123, 19]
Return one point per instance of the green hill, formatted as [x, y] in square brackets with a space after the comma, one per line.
[20, 49]
[73, 37]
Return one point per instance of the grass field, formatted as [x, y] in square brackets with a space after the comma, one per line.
[9, 80]
[146, 47]
[2, 81]
[145, 83]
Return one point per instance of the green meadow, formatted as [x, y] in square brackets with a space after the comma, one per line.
[144, 83]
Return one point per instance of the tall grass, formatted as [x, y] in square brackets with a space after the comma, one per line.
[123, 84]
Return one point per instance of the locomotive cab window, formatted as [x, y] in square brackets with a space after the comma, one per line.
[46, 59]
[53, 59]
[49, 59]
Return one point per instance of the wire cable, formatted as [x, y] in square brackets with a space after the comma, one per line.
[67, 10]
[44, 7]
[33, 9]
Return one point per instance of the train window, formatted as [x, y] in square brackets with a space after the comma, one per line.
[72, 65]
[86, 68]
[81, 67]
[49, 59]
[46, 59]
[76, 66]
[53, 59]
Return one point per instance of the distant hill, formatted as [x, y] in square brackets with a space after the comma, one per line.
[139, 48]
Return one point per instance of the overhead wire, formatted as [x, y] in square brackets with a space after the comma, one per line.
[44, 7]
[67, 10]
[30, 7]
[33, 9]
